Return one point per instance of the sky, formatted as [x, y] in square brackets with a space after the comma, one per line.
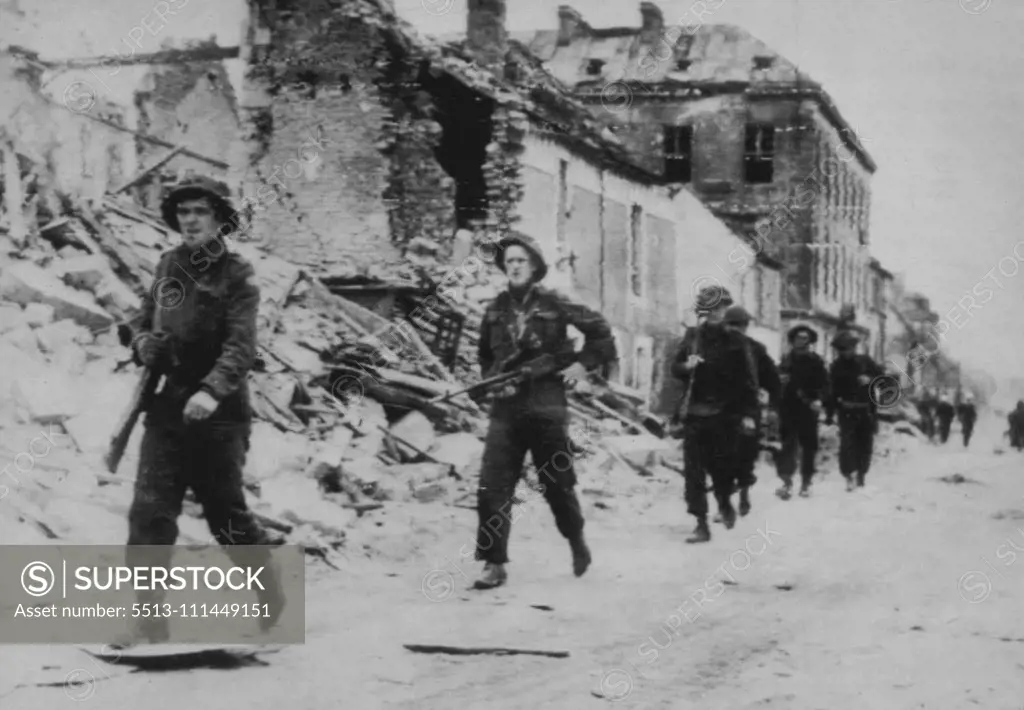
[931, 87]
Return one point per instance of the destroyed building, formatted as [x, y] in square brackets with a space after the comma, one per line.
[711, 107]
[371, 139]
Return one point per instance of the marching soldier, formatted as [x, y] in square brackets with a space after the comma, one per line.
[738, 319]
[197, 327]
[968, 415]
[1016, 422]
[850, 378]
[721, 405]
[529, 320]
[944, 412]
[805, 383]
[926, 406]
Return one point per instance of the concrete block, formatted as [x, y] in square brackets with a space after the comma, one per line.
[38, 314]
[26, 283]
[417, 430]
[11, 316]
[462, 450]
[84, 272]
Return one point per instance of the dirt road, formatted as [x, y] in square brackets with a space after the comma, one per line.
[905, 594]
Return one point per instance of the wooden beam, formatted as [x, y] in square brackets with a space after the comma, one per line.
[169, 56]
[148, 171]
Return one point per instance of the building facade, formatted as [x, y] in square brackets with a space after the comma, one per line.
[711, 108]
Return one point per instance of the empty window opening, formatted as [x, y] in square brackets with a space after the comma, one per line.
[678, 151]
[594, 66]
[763, 61]
[683, 64]
[759, 153]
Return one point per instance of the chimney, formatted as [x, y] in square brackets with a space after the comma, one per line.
[570, 25]
[485, 31]
[654, 22]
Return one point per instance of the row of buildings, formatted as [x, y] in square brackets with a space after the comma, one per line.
[647, 161]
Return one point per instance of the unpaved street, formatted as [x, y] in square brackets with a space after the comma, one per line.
[906, 594]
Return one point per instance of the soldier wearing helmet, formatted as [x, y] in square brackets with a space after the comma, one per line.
[805, 382]
[721, 405]
[529, 320]
[967, 413]
[197, 328]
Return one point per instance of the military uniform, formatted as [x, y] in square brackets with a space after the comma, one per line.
[724, 391]
[968, 415]
[535, 417]
[805, 382]
[1016, 421]
[205, 301]
[850, 395]
[945, 412]
[926, 406]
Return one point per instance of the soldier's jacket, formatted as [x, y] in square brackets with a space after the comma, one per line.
[538, 326]
[845, 388]
[726, 382]
[209, 307]
[967, 412]
[767, 373]
[806, 379]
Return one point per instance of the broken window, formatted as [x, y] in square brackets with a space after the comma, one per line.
[594, 66]
[635, 251]
[678, 151]
[759, 153]
[763, 61]
[683, 64]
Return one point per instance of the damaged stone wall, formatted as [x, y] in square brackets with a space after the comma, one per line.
[316, 174]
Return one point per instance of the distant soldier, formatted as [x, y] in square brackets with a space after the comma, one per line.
[197, 327]
[968, 415]
[737, 319]
[926, 406]
[529, 321]
[850, 381]
[944, 412]
[719, 407]
[1016, 421]
[804, 387]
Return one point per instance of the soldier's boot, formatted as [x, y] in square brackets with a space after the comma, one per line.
[701, 533]
[494, 576]
[860, 479]
[744, 501]
[580, 555]
[785, 490]
[850, 485]
[728, 515]
[717, 518]
[805, 488]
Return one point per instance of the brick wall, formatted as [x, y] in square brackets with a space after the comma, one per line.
[316, 174]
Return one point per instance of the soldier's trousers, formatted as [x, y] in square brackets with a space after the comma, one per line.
[710, 448]
[798, 429]
[944, 426]
[206, 458]
[968, 429]
[515, 428]
[748, 449]
[856, 443]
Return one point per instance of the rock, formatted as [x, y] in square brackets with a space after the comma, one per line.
[62, 334]
[298, 500]
[116, 297]
[51, 398]
[462, 450]
[297, 357]
[11, 316]
[415, 429]
[26, 283]
[416, 475]
[642, 451]
[38, 314]
[84, 272]
[273, 452]
[325, 464]
[433, 491]
[23, 338]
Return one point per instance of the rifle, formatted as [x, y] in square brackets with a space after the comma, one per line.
[141, 397]
[514, 371]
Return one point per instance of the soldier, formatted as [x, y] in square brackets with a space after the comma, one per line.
[805, 383]
[531, 321]
[197, 327]
[926, 406]
[944, 412]
[721, 405]
[1016, 421]
[968, 415]
[737, 319]
[850, 381]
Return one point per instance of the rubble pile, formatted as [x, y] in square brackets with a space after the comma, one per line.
[353, 411]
